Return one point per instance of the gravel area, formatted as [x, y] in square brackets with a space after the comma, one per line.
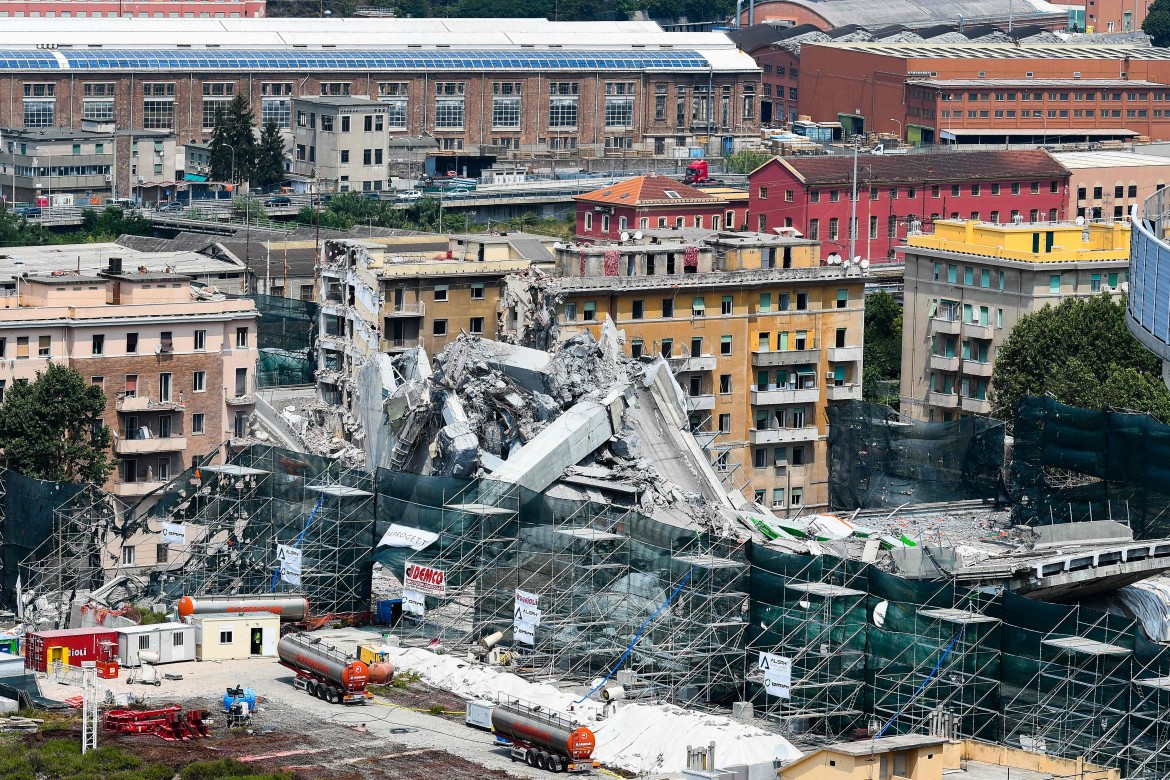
[292, 730]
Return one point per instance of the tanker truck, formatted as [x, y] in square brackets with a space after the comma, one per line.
[291, 608]
[324, 671]
[542, 739]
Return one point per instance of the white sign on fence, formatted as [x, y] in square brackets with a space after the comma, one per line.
[290, 563]
[527, 608]
[173, 533]
[523, 631]
[414, 603]
[426, 580]
[777, 675]
[405, 536]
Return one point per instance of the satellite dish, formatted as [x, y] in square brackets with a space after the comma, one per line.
[865, 263]
[879, 613]
[1080, 220]
[638, 236]
[557, 245]
[833, 258]
[624, 236]
[857, 259]
[157, 349]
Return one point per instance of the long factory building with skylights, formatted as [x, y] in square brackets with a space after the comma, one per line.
[473, 85]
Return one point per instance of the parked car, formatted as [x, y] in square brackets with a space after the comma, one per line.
[30, 212]
[279, 200]
[172, 207]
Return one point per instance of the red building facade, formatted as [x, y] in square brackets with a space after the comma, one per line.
[651, 202]
[155, 9]
[897, 194]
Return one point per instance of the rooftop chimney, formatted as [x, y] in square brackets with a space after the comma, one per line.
[115, 265]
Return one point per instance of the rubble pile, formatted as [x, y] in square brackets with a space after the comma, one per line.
[326, 430]
[529, 309]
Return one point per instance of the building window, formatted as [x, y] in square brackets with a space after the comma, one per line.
[476, 325]
[842, 299]
[158, 105]
[99, 345]
[241, 338]
[725, 345]
[97, 109]
[619, 104]
[200, 340]
[198, 423]
[834, 228]
[505, 112]
[440, 293]
[335, 88]
[449, 105]
[562, 104]
[199, 382]
[225, 637]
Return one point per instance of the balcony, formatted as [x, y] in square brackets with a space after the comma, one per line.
[974, 330]
[247, 399]
[700, 403]
[782, 435]
[945, 326]
[145, 403]
[786, 357]
[398, 345]
[687, 365]
[845, 354]
[944, 363]
[976, 406]
[943, 400]
[136, 489]
[150, 446]
[416, 309]
[770, 397]
[843, 392]
[975, 368]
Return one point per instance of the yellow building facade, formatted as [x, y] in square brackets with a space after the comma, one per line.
[760, 335]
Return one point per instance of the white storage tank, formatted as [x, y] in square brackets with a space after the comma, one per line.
[172, 642]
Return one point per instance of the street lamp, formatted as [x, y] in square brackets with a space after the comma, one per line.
[899, 127]
[233, 182]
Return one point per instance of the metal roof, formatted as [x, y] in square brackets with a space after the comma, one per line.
[1021, 83]
[352, 59]
[1052, 132]
[1107, 159]
[983, 51]
[868, 13]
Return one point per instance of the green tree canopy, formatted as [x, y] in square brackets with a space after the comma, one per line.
[51, 428]
[1080, 353]
[269, 169]
[112, 222]
[1157, 22]
[233, 131]
[883, 348]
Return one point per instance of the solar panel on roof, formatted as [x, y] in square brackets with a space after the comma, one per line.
[229, 59]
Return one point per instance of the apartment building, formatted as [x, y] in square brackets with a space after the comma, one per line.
[969, 283]
[761, 338]
[902, 194]
[649, 202]
[85, 167]
[177, 368]
[341, 141]
[393, 294]
[1108, 184]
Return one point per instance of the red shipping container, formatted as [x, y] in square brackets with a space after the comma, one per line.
[70, 646]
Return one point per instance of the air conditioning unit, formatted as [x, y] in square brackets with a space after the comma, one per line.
[830, 375]
[109, 177]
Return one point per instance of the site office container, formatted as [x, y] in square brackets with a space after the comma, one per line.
[235, 637]
[68, 646]
[172, 642]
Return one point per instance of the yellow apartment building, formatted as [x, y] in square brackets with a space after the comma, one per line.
[970, 282]
[761, 337]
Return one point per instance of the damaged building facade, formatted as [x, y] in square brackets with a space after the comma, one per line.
[760, 336]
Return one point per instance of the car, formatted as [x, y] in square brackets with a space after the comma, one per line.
[372, 195]
[279, 200]
[410, 195]
[173, 207]
[459, 192]
[28, 211]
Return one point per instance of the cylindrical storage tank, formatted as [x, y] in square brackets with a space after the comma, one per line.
[560, 737]
[381, 672]
[299, 652]
[292, 609]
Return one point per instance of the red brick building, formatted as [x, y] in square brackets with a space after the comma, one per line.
[154, 9]
[901, 192]
[646, 202]
[988, 93]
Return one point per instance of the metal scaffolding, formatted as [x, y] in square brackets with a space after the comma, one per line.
[1148, 749]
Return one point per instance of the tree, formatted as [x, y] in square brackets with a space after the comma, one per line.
[745, 161]
[1081, 354]
[1157, 22]
[269, 170]
[52, 428]
[883, 348]
[233, 131]
[113, 222]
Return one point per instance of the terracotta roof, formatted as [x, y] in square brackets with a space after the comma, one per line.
[648, 191]
[941, 167]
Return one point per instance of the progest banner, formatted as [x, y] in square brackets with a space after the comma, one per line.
[405, 536]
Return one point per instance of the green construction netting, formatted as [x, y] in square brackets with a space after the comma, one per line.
[1073, 464]
[878, 458]
[285, 339]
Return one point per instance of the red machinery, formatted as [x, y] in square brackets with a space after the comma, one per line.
[543, 739]
[107, 664]
[324, 671]
[165, 722]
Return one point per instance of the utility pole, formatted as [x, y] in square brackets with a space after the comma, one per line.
[853, 210]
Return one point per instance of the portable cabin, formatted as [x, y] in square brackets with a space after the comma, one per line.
[227, 637]
[69, 646]
[170, 642]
